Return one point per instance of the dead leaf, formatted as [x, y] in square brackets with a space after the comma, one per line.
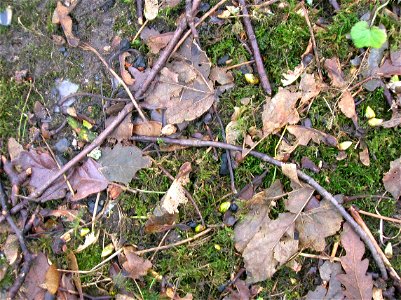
[52, 279]
[307, 163]
[221, 76]
[90, 239]
[152, 128]
[73, 265]
[280, 111]
[303, 136]
[394, 121]
[332, 290]
[258, 214]
[364, 156]
[172, 293]
[123, 131]
[11, 248]
[125, 75]
[121, 163]
[392, 179]
[87, 180]
[31, 289]
[135, 265]
[291, 76]
[297, 198]
[316, 224]
[176, 193]
[242, 291]
[66, 283]
[61, 16]
[309, 88]
[14, 148]
[155, 40]
[151, 9]
[160, 221]
[358, 284]
[290, 170]
[334, 71]
[388, 68]
[347, 106]
[183, 87]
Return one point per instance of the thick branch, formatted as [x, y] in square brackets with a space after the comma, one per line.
[264, 80]
[309, 180]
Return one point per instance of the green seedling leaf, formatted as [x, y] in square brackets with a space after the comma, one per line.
[365, 36]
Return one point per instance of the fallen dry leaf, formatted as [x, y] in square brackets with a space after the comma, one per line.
[66, 283]
[347, 106]
[151, 9]
[155, 40]
[11, 248]
[90, 239]
[31, 288]
[152, 128]
[334, 71]
[52, 279]
[183, 87]
[176, 193]
[73, 265]
[316, 224]
[394, 121]
[280, 111]
[135, 266]
[392, 179]
[303, 135]
[14, 148]
[358, 284]
[125, 75]
[123, 131]
[332, 290]
[309, 88]
[121, 163]
[364, 156]
[160, 221]
[61, 16]
[297, 198]
[290, 170]
[221, 76]
[87, 180]
[242, 291]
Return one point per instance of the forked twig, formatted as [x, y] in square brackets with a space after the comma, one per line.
[264, 80]
[306, 178]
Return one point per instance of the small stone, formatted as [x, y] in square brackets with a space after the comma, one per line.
[62, 145]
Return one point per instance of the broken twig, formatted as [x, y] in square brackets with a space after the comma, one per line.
[264, 80]
[306, 178]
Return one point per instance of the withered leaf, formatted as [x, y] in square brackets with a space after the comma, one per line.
[297, 198]
[394, 121]
[73, 265]
[155, 40]
[258, 213]
[221, 76]
[328, 272]
[151, 9]
[176, 193]
[61, 16]
[31, 289]
[280, 111]
[316, 224]
[364, 156]
[303, 136]
[347, 106]
[290, 170]
[358, 284]
[121, 163]
[160, 221]
[183, 87]
[242, 291]
[334, 71]
[52, 279]
[87, 179]
[66, 283]
[151, 128]
[11, 248]
[309, 88]
[135, 266]
[14, 148]
[392, 179]
[389, 69]
[125, 75]
[123, 131]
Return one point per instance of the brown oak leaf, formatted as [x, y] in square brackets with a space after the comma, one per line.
[135, 266]
[392, 179]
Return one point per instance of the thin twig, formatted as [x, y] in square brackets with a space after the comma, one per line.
[28, 258]
[139, 11]
[239, 65]
[335, 5]
[86, 46]
[306, 178]
[306, 15]
[190, 19]
[264, 80]
[366, 213]
[228, 154]
[319, 256]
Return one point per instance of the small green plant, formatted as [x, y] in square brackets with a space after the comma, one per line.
[364, 35]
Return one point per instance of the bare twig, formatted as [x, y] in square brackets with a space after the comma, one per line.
[239, 65]
[139, 11]
[228, 154]
[86, 46]
[12, 292]
[335, 5]
[324, 257]
[255, 49]
[306, 15]
[306, 178]
[366, 213]
[359, 220]
[190, 19]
